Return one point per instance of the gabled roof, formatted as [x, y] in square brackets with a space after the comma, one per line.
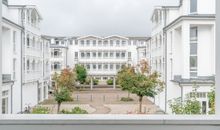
[34, 7]
[116, 36]
[89, 36]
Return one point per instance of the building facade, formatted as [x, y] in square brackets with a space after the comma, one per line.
[25, 56]
[185, 38]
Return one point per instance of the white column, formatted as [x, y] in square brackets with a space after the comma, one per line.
[185, 49]
[91, 83]
[1, 57]
[217, 97]
[114, 83]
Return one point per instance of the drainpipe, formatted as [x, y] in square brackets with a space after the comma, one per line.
[12, 97]
[165, 43]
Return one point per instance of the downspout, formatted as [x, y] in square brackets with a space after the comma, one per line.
[165, 43]
[12, 97]
[22, 49]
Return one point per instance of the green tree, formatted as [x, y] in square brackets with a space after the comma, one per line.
[190, 106]
[211, 97]
[138, 80]
[64, 85]
[81, 73]
[125, 79]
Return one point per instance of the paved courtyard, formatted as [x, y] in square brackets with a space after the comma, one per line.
[104, 101]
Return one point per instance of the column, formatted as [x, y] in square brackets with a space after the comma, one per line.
[1, 58]
[114, 83]
[185, 46]
[91, 83]
[217, 90]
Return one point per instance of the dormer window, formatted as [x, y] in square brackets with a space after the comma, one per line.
[193, 6]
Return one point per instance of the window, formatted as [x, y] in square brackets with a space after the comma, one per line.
[193, 52]
[94, 54]
[129, 54]
[111, 66]
[28, 65]
[193, 6]
[105, 54]
[111, 54]
[28, 41]
[111, 43]
[5, 105]
[193, 49]
[82, 55]
[105, 66]
[88, 55]
[94, 42]
[94, 66]
[82, 43]
[117, 43]
[123, 43]
[100, 43]
[105, 43]
[87, 43]
[99, 66]
[193, 33]
[14, 41]
[117, 54]
[117, 66]
[76, 55]
[99, 54]
[14, 69]
[57, 42]
[123, 54]
[88, 66]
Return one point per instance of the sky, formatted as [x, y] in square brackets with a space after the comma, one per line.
[96, 17]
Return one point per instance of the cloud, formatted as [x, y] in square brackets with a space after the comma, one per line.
[98, 17]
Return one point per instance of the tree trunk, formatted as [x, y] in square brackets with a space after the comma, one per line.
[140, 104]
[58, 108]
[128, 94]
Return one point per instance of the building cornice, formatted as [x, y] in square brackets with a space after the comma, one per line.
[11, 22]
[189, 17]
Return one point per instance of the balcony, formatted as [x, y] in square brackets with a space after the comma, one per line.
[108, 122]
[6, 78]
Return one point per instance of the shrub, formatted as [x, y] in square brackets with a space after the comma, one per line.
[40, 110]
[95, 81]
[76, 110]
[110, 82]
[126, 99]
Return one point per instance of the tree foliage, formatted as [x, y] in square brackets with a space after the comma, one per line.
[190, 106]
[138, 80]
[64, 85]
[81, 73]
[211, 97]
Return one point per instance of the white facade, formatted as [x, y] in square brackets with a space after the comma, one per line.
[187, 36]
[25, 56]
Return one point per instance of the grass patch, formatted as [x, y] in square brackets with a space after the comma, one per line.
[127, 99]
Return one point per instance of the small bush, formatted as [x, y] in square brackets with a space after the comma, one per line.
[40, 110]
[110, 82]
[76, 110]
[126, 99]
[95, 81]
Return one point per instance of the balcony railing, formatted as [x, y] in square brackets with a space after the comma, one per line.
[108, 122]
[6, 78]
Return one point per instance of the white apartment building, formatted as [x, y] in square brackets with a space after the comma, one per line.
[58, 53]
[183, 43]
[102, 56]
[25, 58]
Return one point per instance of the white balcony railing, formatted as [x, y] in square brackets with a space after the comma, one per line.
[108, 122]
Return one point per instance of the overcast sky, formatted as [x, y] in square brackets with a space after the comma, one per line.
[96, 17]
